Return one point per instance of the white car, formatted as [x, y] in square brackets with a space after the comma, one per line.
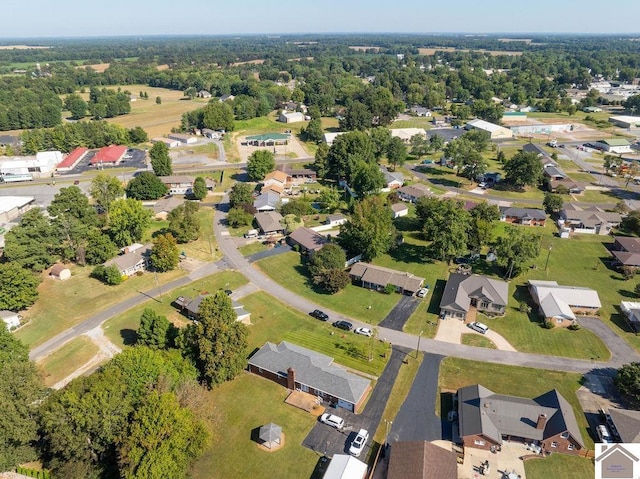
[359, 442]
[331, 420]
[364, 331]
[423, 292]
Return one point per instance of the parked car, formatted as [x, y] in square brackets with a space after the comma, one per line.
[346, 325]
[364, 331]
[422, 292]
[321, 315]
[331, 420]
[479, 327]
[359, 442]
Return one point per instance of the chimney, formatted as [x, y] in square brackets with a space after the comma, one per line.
[291, 379]
[542, 421]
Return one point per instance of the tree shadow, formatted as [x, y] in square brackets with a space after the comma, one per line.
[321, 468]
[522, 295]
[405, 223]
[446, 405]
[628, 294]
[436, 297]
[240, 176]
[410, 253]
[161, 231]
[619, 320]
[129, 336]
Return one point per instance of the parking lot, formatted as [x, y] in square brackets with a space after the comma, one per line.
[133, 158]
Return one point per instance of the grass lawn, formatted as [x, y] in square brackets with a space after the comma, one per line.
[516, 381]
[477, 341]
[67, 359]
[63, 304]
[243, 405]
[359, 303]
[595, 196]
[570, 467]
[274, 321]
[252, 248]
[121, 329]
[209, 149]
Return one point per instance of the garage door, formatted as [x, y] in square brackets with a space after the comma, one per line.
[345, 405]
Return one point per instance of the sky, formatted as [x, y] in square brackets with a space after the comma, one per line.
[79, 18]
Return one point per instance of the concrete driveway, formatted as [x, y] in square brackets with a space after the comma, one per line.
[329, 441]
[451, 331]
[401, 312]
[417, 420]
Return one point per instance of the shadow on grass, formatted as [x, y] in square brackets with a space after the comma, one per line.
[240, 177]
[619, 320]
[522, 295]
[404, 223]
[410, 253]
[321, 468]
[301, 268]
[446, 405]
[129, 337]
[489, 268]
[436, 297]
[627, 294]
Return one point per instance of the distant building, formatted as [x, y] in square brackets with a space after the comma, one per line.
[496, 132]
[167, 141]
[615, 145]
[291, 117]
[329, 138]
[135, 258]
[72, 159]
[420, 111]
[591, 109]
[11, 319]
[227, 97]
[336, 219]
[60, 271]
[13, 206]
[204, 94]
[178, 184]
[405, 134]
[399, 210]
[182, 138]
[412, 193]
[109, 155]
[623, 121]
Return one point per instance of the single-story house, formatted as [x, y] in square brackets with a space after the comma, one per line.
[626, 423]
[376, 277]
[392, 179]
[405, 134]
[13, 206]
[496, 132]
[560, 303]
[164, 206]
[345, 466]
[591, 109]
[399, 209]
[269, 222]
[554, 172]
[421, 460]
[631, 312]
[108, 155]
[626, 251]
[298, 368]
[572, 187]
[182, 138]
[413, 193]
[420, 111]
[466, 291]
[615, 145]
[279, 178]
[268, 139]
[523, 216]
[588, 219]
[204, 94]
[486, 419]
[167, 141]
[301, 175]
[178, 184]
[308, 240]
[60, 271]
[11, 319]
[212, 134]
[267, 201]
[226, 97]
[191, 308]
[273, 187]
[291, 117]
[329, 138]
[336, 219]
[132, 260]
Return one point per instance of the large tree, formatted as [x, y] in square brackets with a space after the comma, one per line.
[396, 152]
[155, 331]
[146, 186]
[241, 193]
[217, 343]
[445, 224]
[160, 159]
[105, 189]
[420, 146]
[165, 255]
[129, 220]
[327, 268]
[627, 380]
[524, 169]
[76, 106]
[356, 117]
[259, 164]
[199, 188]
[516, 249]
[370, 229]
[218, 116]
[366, 179]
[481, 226]
[183, 222]
[347, 151]
[32, 243]
[552, 203]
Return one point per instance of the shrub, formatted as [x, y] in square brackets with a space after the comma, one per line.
[549, 324]
[574, 327]
[389, 289]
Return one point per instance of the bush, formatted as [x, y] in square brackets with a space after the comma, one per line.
[389, 289]
[628, 272]
[109, 275]
[549, 324]
[574, 327]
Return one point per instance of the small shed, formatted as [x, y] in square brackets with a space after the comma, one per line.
[11, 319]
[60, 271]
[270, 436]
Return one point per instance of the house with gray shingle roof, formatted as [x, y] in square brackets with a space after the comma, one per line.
[464, 292]
[523, 216]
[269, 222]
[626, 423]
[191, 308]
[588, 219]
[486, 419]
[302, 369]
[371, 276]
[134, 258]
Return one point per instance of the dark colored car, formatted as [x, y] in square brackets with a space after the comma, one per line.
[316, 313]
[346, 325]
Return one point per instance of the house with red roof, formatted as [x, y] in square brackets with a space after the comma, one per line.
[109, 155]
[72, 159]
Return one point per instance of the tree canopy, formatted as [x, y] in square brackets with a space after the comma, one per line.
[165, 255]
[259, 164]
[370, 229]
[524, 169]
[128, 221]
[146, 186]
[445, 223]
[160, 159]
[516, 249]
[627, 381]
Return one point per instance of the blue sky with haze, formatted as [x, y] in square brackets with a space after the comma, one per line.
[56, 18]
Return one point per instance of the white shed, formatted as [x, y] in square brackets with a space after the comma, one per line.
[11, 319]
[60, 271]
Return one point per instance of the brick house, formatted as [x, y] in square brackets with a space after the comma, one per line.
[560, 304]
[486, 419]
[308, 240]
[376, 277]
[523, 216]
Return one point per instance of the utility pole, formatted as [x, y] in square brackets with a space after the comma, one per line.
[418, 347]
[548, 255]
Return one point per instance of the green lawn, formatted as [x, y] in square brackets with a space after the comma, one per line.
[121, 329]
[570, 467]
[516, 381]
[243, 405]
[477, 341]
[67, 359]
[252, 248]
[354, 301]
[209, 149]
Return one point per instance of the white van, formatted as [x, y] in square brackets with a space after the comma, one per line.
[333, 421]
[479, 327]
[251, 234]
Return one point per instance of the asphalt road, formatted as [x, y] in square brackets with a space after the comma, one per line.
[416, 420]
[401, 312]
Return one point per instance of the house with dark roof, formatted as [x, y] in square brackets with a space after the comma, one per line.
[135, 258]
[269, 222]
[486, 419]
[523, 216]
[626, 251]
[308, 240]
[554, 172]
[412, 193]
[190, 307]
[298, 368]
[626, 424]
[573, 187]
[588, 219]
[421, 460]
[464, 293]
[376, 277]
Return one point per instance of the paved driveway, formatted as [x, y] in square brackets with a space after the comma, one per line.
[328, 441]
[401, 312]
[285, 248]
[416, 420]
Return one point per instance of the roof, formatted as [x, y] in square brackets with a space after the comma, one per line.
[269, 199]
[270, 432]
[554, 171]
[269, 136]
[421, 460]
[108, 154]
[176, 179]
[330, 137]
[630, 244]
[6, 314]
[57, 268]
[487, 126]
[524, 213]
[269, 221]
[129, 260]
[590, 216]
[311, 369]
[390, 177]
[277, 175]
[193, 305]
[627, 424]
[557, 301]
[407, 133]
[7, 203]
[167, 204]
[626, 258]
[382, 276]
[533, 148]
[343, 466]
[274, 187]
[461, 287]
[615, 142]
[308, 239]
[398, 207]
[481, 411]
[336, 217]
[417, 190]
[72, 157]
[293, 115]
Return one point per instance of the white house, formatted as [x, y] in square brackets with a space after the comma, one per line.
[11, 319]
[336, 220]
[291, 117]
[329, 138]
[167, 141]
[405, 134]
[344, 466]
[399, 209]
